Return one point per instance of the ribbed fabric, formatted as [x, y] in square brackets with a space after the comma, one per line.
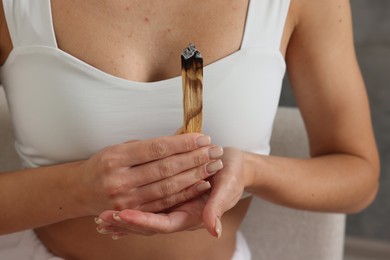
[57, 100]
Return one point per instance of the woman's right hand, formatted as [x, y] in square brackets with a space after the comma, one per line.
[150, 175]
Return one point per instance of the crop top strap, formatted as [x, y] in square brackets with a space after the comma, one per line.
[265, 24]
[29, 22]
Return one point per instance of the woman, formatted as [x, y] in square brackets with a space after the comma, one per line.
[84, 79]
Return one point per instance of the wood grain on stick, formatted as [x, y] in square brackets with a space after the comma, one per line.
[192, 76]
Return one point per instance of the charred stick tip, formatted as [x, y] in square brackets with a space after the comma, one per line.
[190, 52]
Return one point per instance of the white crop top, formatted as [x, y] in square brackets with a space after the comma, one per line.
[64, 110]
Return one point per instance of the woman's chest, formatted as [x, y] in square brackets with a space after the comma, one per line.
[78, 107]
[143, 40]
[83, 110]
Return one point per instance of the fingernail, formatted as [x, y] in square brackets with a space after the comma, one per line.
[117, 236]
[215, 152]
[117, 218]
[103, 231]
[203, 186]
[203, 141]
[218, 227]
[99, 221]
[214, 166]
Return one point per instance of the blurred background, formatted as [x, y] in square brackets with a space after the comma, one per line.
[371, 19]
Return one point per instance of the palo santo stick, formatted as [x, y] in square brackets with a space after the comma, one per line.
[192, 76]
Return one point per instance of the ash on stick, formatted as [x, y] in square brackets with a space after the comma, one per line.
[192, 76]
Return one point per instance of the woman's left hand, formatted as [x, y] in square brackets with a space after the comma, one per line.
[227, 187]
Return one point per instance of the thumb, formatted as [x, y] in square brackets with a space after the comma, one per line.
[212, 215]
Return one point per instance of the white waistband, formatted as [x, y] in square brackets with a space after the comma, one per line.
[242, 251]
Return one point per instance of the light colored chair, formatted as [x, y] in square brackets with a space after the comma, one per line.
[273, 232]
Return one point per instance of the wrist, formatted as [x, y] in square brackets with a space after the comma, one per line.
[253, 170]
[78, 193]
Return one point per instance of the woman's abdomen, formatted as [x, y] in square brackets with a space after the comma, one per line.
[78, 239]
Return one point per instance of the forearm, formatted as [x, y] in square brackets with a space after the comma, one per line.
[38, 197]
[151, 175]
[331, 183]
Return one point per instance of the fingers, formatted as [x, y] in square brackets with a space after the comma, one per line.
[221, 200]
[172, 165]
[176, 199]
[120, 176]
[167, 187]
[171, 189]
[154, 223]
[212, 221]
[139, 152]
[186, 217]
[164, 194]
[109, 223]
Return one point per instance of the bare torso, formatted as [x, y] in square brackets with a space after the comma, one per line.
[141, 41]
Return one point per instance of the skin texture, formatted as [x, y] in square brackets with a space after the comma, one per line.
[341, 176]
